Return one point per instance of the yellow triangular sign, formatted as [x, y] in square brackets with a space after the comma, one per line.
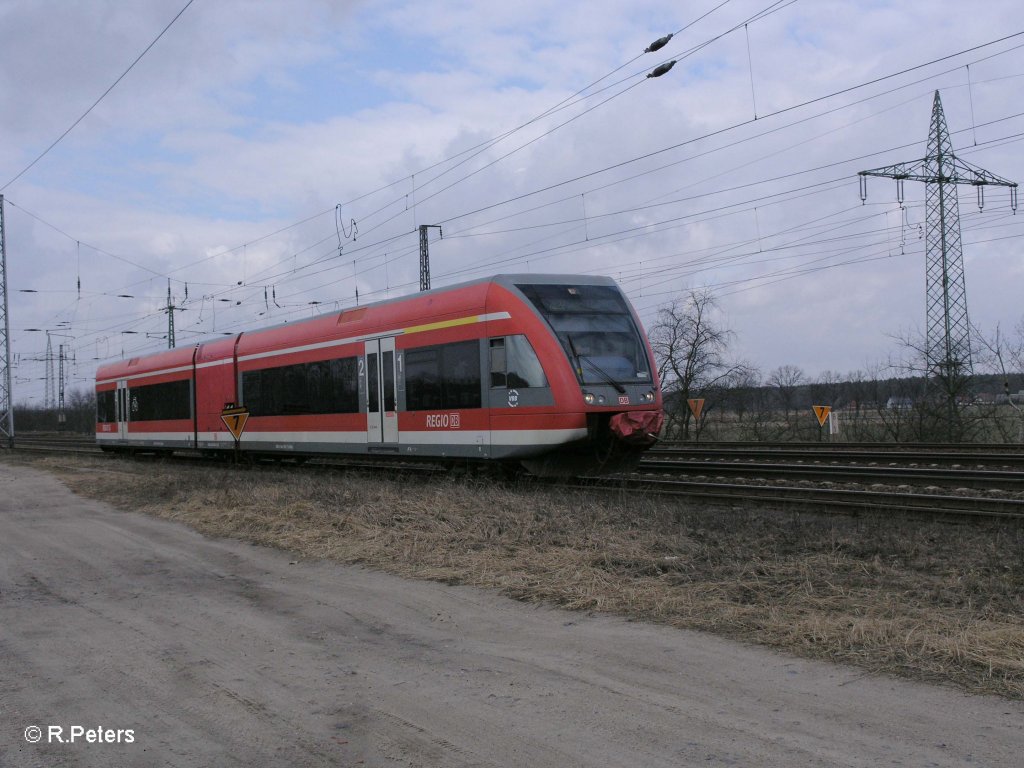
[822, 412]
[234, 419]
[696, 406]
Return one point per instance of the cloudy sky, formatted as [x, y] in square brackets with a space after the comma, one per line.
[271, 159]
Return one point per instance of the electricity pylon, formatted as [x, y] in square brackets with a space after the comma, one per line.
[948, 339]
[6, 394]
[49, 399]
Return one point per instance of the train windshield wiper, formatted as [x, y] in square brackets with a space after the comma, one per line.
[594, 367]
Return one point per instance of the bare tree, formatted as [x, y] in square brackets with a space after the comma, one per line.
[754, 406]
[1001, 352]
[739, 392]
[786, 379]
[1016, 350]
[79, 411]
[827, 389]
[939, 409]
[691, 348]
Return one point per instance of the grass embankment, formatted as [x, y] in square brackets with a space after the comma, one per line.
[924, 600]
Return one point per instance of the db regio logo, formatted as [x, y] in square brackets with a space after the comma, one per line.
[443, 421]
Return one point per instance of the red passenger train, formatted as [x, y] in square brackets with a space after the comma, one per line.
[553, 371]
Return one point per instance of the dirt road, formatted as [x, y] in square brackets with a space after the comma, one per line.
[216, 653]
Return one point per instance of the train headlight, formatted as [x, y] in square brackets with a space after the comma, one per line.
[588, 398]
[648, 397]
[600, 399]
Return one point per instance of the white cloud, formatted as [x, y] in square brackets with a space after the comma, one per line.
[247, 117]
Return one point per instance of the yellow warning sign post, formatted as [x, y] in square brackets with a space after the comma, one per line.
[696, 406]
[234, 419]
[822, 412]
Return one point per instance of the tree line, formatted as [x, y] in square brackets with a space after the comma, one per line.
[898, 400]
[79, 415]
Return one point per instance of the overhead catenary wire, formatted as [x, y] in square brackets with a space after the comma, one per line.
[676, 146]
[370, 249]
[772, 8]
[243, 246]
[534, 255]
[96, 103]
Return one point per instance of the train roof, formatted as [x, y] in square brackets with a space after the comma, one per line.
[181, 356]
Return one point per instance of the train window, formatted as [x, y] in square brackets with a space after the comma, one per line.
[106, 409]
[160, 402]
[498, 375]
[388, 371]
[444, 376]
[514, 364]
[296, 389]
[524, 368]
[423, 390]
[596, 330]
[571, 299]
[344, 392]
[323, 386]
[461, 375]
[372, 384]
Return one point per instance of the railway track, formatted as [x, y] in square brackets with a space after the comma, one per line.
[989, 455]
[838, 447]
[56, 443]
[985, 479]
[955, 481]
[932, 505]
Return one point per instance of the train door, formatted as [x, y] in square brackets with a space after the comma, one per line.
[381, 392]
[121, 407]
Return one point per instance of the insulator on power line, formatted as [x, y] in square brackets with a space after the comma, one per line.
[662, 69]
[658, 44]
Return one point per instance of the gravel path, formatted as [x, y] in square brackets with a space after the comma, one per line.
[213, 652]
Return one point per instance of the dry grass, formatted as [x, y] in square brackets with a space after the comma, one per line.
[930, 601]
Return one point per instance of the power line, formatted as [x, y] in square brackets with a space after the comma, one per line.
[732, 144]
[734, 126]
[373, 247]
[96, 103]
[532, 255]
[774, 7]
[562, 248]
[763, 13]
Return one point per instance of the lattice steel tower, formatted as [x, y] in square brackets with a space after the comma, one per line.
[6, 394]
[948, 340]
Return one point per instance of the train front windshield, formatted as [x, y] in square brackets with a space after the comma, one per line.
[596, 329]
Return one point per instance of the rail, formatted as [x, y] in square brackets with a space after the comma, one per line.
[850, 479]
